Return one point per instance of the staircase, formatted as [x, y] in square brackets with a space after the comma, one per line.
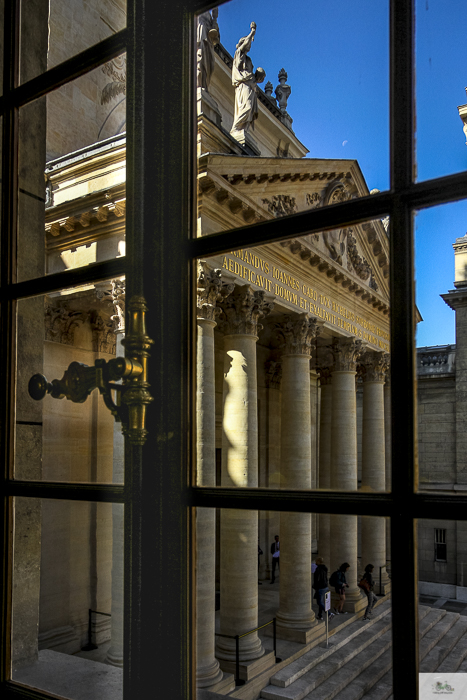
[358, 663]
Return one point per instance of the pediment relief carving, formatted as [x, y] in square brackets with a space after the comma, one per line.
[281, 205]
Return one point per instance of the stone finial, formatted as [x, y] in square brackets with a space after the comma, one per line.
[243, 310]
[346, 352]
[210, 290]
[299, 334]
[282, 91]
[268, 88]
[375, 366]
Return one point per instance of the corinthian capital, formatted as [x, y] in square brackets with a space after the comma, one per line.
[299, 334]
[346, 352]
[211, 290]
[243, 310]
[375, 364]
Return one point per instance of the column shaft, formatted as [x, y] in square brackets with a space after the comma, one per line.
[344, 465]
[239, 529]
[207, 667]
[373, 464]
[295, 574]
[324, 542]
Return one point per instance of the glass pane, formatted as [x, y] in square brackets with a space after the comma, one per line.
[78, 439]
[271, 568]
[263, 106]
[52, 32]
[293, 361]
[442, 604]
[72, 174]
[441, 56]
[442, 347]
[67, 612]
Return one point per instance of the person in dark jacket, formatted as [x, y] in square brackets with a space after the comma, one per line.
[340, 588]
[275, 551]
[320, 585]
[369, 594]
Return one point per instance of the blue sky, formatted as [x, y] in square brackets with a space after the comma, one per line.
[337, 59]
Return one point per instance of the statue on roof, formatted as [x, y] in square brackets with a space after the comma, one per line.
[207, 38]
[245, 80]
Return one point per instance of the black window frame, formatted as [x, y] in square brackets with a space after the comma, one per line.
[441, 547]
[159, 492]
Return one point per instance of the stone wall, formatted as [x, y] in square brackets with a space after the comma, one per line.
[437, 429]
[92, 107]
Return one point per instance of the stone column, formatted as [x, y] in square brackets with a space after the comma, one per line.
[239, 528]
[295, 611]
[373, 461]
[210, 291]
[344, 462]
[314, 450]
[114, 655]
[324, 479]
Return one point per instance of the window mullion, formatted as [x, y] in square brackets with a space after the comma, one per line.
[403, 525]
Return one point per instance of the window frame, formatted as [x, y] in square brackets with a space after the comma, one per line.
[159, 494]
[440, 542]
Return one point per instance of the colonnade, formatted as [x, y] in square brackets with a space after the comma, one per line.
[243, 309]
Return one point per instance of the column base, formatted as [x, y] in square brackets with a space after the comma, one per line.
[114, 657]
[208, 676]
[301, 636]
[355, 601]
[249, 650]
[250, 669]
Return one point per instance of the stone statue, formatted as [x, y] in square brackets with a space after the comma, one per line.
[245, 81]
[208, 37]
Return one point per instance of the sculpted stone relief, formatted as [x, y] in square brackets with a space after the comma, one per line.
[281, 205]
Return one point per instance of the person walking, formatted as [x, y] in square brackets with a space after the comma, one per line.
[340, 586]
[320, 586]
[368, 577]
[275, 551]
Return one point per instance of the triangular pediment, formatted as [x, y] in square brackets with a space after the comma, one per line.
[238, 190]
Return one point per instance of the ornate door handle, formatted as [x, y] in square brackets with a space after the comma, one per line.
[131, 396]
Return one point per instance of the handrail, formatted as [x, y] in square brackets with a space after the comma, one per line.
[237, 637]
[90, 646]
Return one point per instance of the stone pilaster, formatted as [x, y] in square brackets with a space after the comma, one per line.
[210, 291]
[373, 460]
[344, 462]
[295, 616]
[324, 476]
[243, 310]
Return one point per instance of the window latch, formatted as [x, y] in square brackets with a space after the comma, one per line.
[126, 401]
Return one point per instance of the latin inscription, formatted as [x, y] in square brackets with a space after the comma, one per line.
[253, 269]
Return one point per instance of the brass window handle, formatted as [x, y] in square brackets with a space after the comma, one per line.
[131, 396]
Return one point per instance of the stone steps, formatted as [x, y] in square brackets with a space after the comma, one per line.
[359, 662]
[306, 674]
